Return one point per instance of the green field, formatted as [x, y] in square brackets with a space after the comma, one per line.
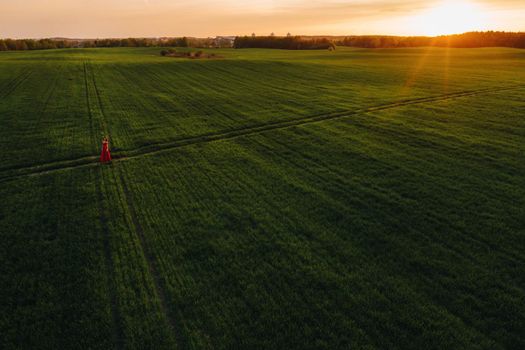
[363, 199]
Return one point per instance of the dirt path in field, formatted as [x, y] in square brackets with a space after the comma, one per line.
[151, 261]
[17, 172]
[128, 206]
[109, 265]
[118, 333]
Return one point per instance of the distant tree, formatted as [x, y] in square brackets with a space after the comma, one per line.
[11, 44]
[46, 44]
[289, 34]
[466, 40]
[288, 43]
[21, 45]
[203, 42]
[253, 35]
[183, 42]
[61, 44]
[31, 44]
[273, 34]
[3, 46]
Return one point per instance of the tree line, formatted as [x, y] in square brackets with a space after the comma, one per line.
[45, 44]
[466, 40]
[288, 43]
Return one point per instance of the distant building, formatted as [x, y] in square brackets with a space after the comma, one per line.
[223, 41]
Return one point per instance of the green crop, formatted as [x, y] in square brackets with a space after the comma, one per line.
[269, 199]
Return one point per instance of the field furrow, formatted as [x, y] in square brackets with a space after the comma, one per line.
[118, 334]
[151, 263]
[14, 84]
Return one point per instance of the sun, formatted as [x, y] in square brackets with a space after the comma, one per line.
[451, 17]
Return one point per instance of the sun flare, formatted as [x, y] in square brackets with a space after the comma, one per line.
[451, 17]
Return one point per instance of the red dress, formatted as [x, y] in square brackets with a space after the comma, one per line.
[105, 156]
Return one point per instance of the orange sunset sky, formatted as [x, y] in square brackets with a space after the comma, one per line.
[203, 18]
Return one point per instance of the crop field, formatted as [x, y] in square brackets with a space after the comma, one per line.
[266, 199]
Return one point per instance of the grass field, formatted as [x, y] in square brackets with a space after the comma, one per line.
[367, 199]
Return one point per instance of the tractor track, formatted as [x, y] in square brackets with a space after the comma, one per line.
[109, 263]
[88, 104]
[51, 92]
[14, 84]
[12, 173]
[118, 332]
[136, 226]
[151, 261]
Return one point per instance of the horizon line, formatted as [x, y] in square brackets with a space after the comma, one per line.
[243, 35]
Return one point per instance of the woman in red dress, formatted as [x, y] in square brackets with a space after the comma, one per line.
[105, 156]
